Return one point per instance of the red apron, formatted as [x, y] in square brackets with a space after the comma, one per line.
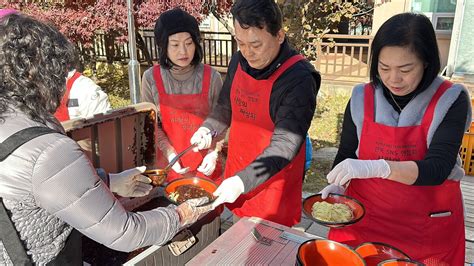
[62, 113]
[279, 198]
[181, 116]
[399, 214]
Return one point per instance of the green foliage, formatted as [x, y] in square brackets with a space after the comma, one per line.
[326, 126]
[306, 21]
[325, 132]
[315, 178]
[117, 101]
[113, 79]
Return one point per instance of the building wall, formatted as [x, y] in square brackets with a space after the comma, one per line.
[211, 23]
[385, 11]
[443, 45]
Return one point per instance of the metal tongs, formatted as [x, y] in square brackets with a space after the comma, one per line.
[261, 239]
[177, 157]
[158, 176]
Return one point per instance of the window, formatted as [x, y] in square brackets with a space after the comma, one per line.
[443, 22]
[435, 6]
[440, 12]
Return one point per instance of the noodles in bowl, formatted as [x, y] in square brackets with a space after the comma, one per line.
[332, 212]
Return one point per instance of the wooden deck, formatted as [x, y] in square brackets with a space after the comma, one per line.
[467, 187]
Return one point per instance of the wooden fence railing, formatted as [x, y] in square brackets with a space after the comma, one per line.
[339, 56]
[218, 48]
[344, 55]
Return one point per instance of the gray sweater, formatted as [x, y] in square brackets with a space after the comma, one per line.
[183, 81]
[50, 186]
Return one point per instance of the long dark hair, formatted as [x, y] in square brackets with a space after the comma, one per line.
[408, 30]
[34, 61]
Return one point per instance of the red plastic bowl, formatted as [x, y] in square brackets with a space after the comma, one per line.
[207, 185]
[373, 252]
[327, 252]
[357, 208]
[400, 262]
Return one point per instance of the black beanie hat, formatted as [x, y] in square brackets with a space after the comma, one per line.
[174, 21]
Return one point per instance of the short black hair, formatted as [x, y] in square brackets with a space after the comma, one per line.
[34, 61]
[258, 13]
[411, 30]
[174, 21]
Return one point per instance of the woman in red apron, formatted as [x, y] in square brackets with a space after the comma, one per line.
[184, 90]
[401, 153]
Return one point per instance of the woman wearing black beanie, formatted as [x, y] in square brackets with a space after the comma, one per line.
[184, 91]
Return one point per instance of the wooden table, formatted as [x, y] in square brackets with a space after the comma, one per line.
[278, 245]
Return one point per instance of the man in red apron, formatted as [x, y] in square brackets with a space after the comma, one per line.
[268, 100]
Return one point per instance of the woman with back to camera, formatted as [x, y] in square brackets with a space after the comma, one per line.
[47, 184]
[399, 148]
[184, 91]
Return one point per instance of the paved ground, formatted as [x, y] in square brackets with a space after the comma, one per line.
[467, 187]
[325, 154]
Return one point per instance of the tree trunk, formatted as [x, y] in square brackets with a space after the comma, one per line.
[109, 41]
[229, 27]
[142, 46]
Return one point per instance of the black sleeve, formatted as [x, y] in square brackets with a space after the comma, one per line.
[220, 117]
[444, 147]
[349, 140]
[292, 106]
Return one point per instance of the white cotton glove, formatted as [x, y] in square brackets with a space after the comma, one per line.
[209, 163]
[331, 188]
[177, 166]
[130, 183]
[202, 138]
[353, 168]
[230, 189]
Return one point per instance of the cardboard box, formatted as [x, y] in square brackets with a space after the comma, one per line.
[125, 138]
[117, 140]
